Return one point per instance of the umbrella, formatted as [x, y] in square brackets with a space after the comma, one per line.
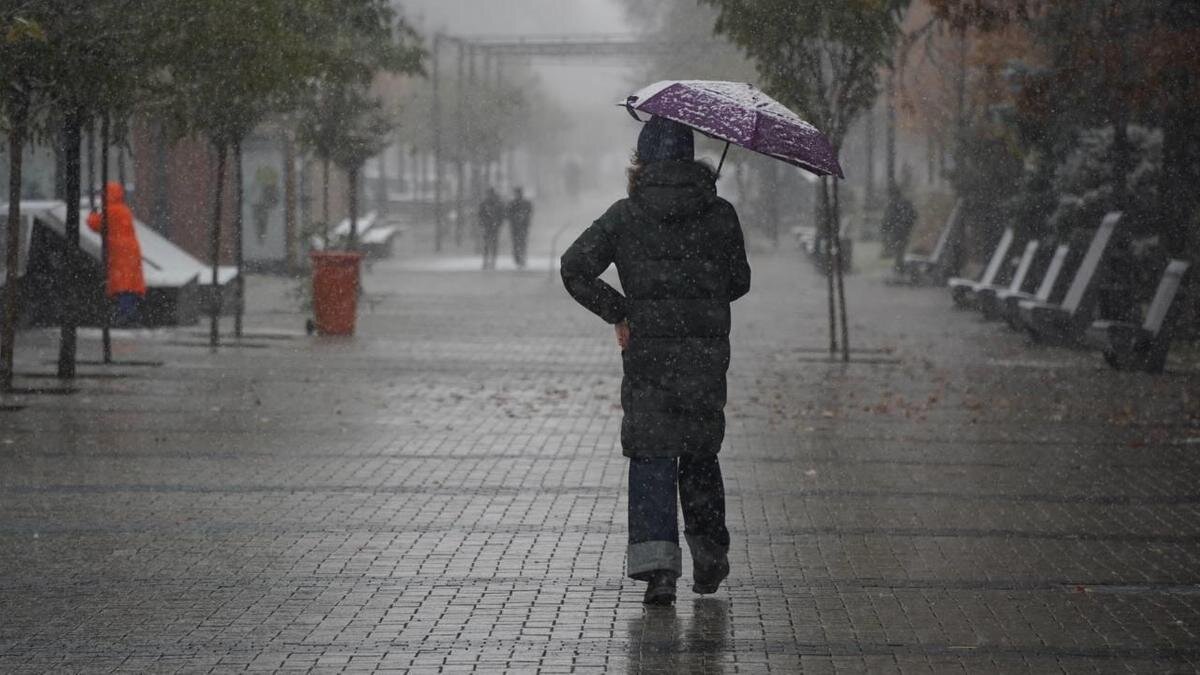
[740, 114]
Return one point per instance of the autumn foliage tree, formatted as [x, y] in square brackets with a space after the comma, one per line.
[1107, 63]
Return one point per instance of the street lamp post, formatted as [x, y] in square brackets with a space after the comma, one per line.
[460, 149]
[439, 223]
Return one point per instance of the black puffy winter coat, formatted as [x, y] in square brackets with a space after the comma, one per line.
[681, 259]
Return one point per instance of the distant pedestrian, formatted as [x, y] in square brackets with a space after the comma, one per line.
[125, 284]
[520, 214]
[681, 257]
[899, 217]
[491, 217]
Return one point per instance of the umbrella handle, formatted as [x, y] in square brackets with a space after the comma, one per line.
[726, 152]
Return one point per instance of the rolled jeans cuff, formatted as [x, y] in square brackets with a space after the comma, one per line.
[649, 556]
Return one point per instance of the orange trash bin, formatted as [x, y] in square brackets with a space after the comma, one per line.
[335, 291]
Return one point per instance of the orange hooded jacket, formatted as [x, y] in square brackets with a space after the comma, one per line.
[124, 253]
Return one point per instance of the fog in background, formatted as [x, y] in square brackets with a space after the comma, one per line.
[597, 133]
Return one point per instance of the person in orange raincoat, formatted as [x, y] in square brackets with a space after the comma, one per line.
[126, 284]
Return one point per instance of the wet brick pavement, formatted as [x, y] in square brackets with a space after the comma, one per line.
[444, 493]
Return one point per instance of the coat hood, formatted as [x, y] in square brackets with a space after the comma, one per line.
[663, 139]
[114, 193]
[675, 189]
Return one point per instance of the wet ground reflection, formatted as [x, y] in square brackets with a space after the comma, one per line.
[660, 640]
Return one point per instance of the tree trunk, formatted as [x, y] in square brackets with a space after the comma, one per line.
[827, 263]
[510, 167]
[72, 261]
[18, 118]
[890, 132]
[476, 198]
[839, 270]
[289, 202]
[239, 198]
[352, 175]
[930, 157]
[162, 209]
[91, 164]
[214, 253]
[477, 152]
[121, 164]
[381, 198]
[777, 179]
[771, 212]
[436, 121]
[60, 163]
[106, 318]
[422, 169]
[325, 201]
[869, 173]
[460, 220]
[473, 140]
[304, 203]
[960, 84]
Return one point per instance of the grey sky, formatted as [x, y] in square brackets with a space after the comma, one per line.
[518, 16]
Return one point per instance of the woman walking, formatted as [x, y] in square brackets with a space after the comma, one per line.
[681, 258]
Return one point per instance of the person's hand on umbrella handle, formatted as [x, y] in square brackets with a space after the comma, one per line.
[622, 329]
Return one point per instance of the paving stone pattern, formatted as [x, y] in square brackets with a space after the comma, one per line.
[445, 493]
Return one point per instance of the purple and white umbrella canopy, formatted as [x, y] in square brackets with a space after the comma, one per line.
[739, 113]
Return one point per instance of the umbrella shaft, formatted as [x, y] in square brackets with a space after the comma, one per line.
[723, 154]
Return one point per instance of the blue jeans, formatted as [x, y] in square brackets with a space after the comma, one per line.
[653, 527]
[128, 309]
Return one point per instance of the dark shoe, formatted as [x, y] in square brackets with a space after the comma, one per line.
[660, 590]
[710, 564]
[709, 579]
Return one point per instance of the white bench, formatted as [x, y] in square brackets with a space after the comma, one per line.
[1008, 301]
[962, 291]
[934, 268]
[1066, 322]
[1126, 345]
[986, 296]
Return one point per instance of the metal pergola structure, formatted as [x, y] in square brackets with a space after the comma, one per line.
[492, 50]
[571, 46]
